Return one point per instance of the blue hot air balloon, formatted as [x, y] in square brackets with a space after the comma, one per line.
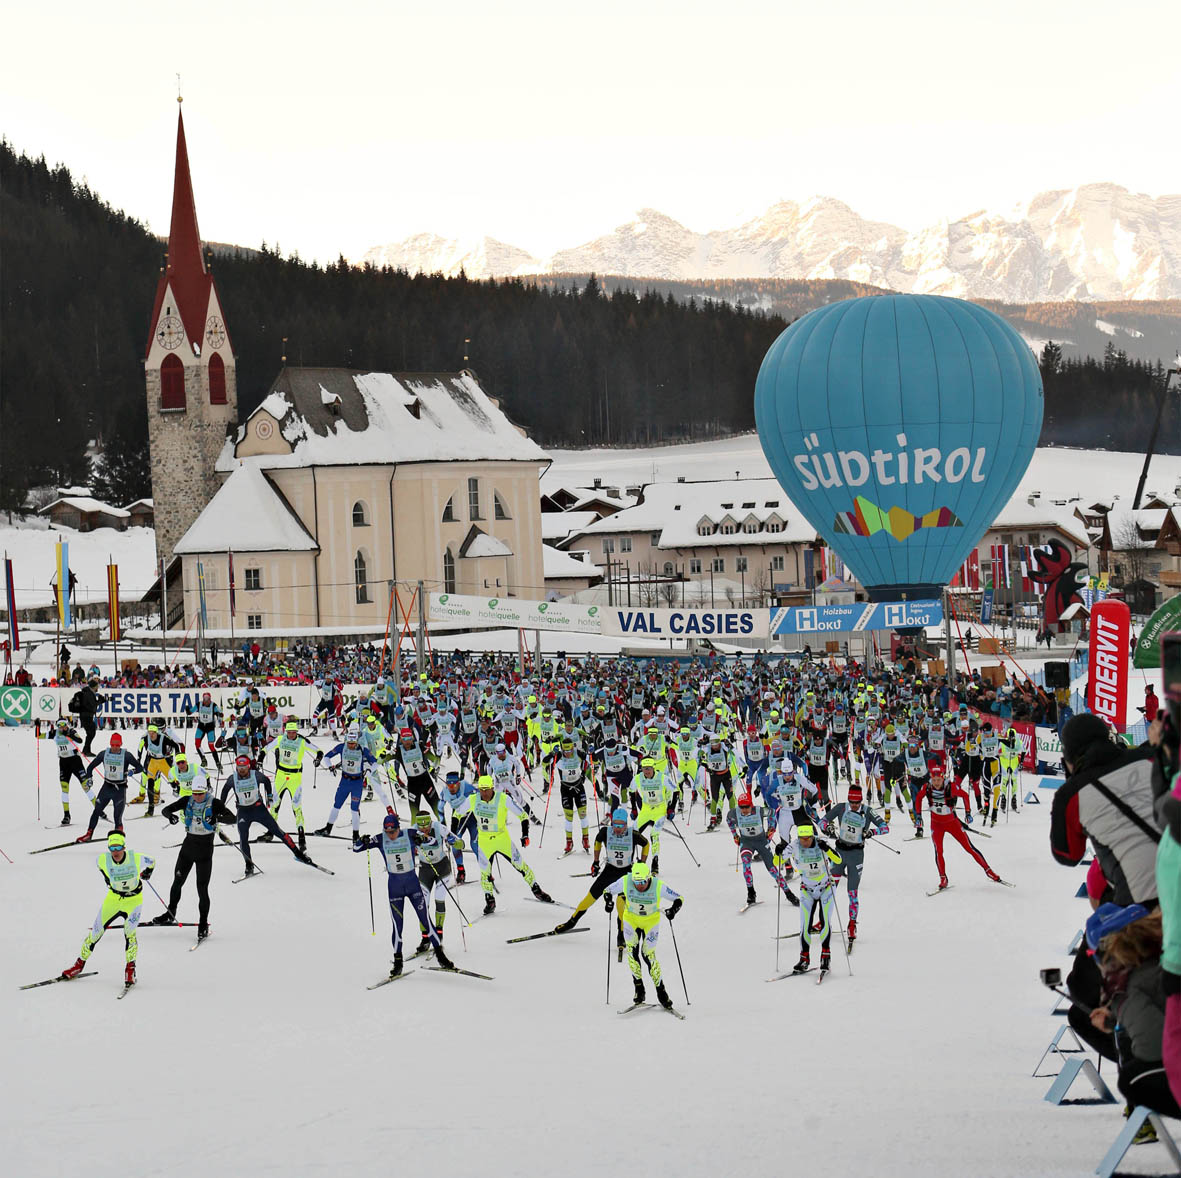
[899, 425]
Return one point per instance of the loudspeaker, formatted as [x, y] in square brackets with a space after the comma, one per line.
[1057, 675]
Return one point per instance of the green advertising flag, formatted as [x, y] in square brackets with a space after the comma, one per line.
[1167, 618]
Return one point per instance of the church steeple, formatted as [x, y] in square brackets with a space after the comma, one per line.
[189, 368]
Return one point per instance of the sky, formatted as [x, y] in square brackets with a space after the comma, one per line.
[329, 129]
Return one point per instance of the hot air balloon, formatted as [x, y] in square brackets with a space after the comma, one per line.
[899, 425]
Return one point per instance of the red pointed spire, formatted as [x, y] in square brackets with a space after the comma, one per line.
[185, 272]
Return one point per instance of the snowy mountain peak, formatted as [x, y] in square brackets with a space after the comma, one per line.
[1094, 241]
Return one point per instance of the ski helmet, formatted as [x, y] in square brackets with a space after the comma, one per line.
[641, 873]
[391, 822]
[116, 741]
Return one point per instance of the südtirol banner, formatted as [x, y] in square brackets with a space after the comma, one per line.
[514, 612]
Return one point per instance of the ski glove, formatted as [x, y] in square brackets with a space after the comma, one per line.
[319, 758]
[172, 820]
[146, 873]
[594, 867]
[525, 832]
[674, 909]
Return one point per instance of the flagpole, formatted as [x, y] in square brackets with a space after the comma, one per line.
[230, 577]
[163, 614]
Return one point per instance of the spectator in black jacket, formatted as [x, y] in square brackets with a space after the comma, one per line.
[85, 703]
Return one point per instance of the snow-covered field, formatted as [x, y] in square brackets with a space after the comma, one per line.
[264, 1054]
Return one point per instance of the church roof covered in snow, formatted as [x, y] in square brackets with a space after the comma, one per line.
[342, 416]
[246, 515]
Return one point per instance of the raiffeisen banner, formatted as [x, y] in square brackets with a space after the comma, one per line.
[685, 623]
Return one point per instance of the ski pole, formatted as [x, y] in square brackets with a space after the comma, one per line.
[372, 918]
[609, 922]
[778, 909]
[548, 795]
[673, 828]
[5, 855]
[887, 846]
[832, 888]
[454, 901]
[160, 898]
[38, 748]
[679, 966]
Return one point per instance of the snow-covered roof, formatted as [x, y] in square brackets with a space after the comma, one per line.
[1123, 523]
[246, 515]
[1020, 513]
[676, 510]
[85, 503]
[485, 545]
[148, 503]
[557, 525]
[341, 417]
[559, 564]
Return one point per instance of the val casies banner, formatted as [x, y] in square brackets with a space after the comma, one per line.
[685, 623]
[515, 613]
[861, 615]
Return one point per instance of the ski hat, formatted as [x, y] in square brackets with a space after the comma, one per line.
[200, 785]
[641, 872]
[856, 793]
[391, 822]
[243, 762]
[116, 741]
[292, 726]
[744, 801]
[1110, 918]
[805, 832]
[116, 841]
[1080, 732]
[619, 815]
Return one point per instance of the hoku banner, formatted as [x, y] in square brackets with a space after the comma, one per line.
[859, 616]
[515, 613]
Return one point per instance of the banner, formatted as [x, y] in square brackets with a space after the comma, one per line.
[233, 595]
[986, 607]
[63, 585]
[1167, 618]
[861, 615]
[113, 601]
[14, 638]
[685, 623]
[512, 612]
[1025, 730]
[16, 705]
[1049, 746]
[201, 595]
[1107, 687]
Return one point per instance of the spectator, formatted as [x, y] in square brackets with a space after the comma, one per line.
[1129, 941]
[1108, 798]
[1151, 703]
[85, 703]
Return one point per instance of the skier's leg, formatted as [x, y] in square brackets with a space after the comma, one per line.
[937, 833]
[204, 870]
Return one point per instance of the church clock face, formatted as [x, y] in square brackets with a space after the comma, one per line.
[171, 332]
[215, 332]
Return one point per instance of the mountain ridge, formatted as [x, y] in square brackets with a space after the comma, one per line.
[1096, 241]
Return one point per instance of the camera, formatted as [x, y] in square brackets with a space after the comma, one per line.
[1050, 977]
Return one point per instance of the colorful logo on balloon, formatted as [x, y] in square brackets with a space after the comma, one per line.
[867, 519]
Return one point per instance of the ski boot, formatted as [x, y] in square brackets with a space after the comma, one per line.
[714, 822]
[250, 869]
[586, 842]
[266, 838]
[662, 996]
[887, 815]
[356, 838]
[992, 875]
[443, 960]
[543, 896]
[302, 841]
[396, 968]
[164, 918]
[639, 995]
[993, 822]
[202, 931]
[65, 818]
[204, 762]
[825, 961]
[74, 970]
[326, 829]
[423, 945]
[368, 797]
[801, 966]
[750, 895]
[918, 832]
[788, 871]
[129, 974]
[85, 836]
[851, 928]
[942, 882]
[569, 844]
[568, 923]
[142, 798]
[489, 904]
[460, 874]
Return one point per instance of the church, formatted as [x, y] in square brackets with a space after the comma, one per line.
[339, 486]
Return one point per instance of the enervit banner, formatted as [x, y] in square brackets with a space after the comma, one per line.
[685, 623]
[861, 615]
[1107, 687]
[515, 613]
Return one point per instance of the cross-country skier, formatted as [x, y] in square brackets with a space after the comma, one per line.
[942, 797]
[491, 807]
[123, 871]
[353, 761]
[748, 825]
[811, 856]
[117, 762]
[852, 822]
[202, 812]
[252, 794]
[642, 893]
[399, 848]
[68, 744]
[434, 866]
[290, 750]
